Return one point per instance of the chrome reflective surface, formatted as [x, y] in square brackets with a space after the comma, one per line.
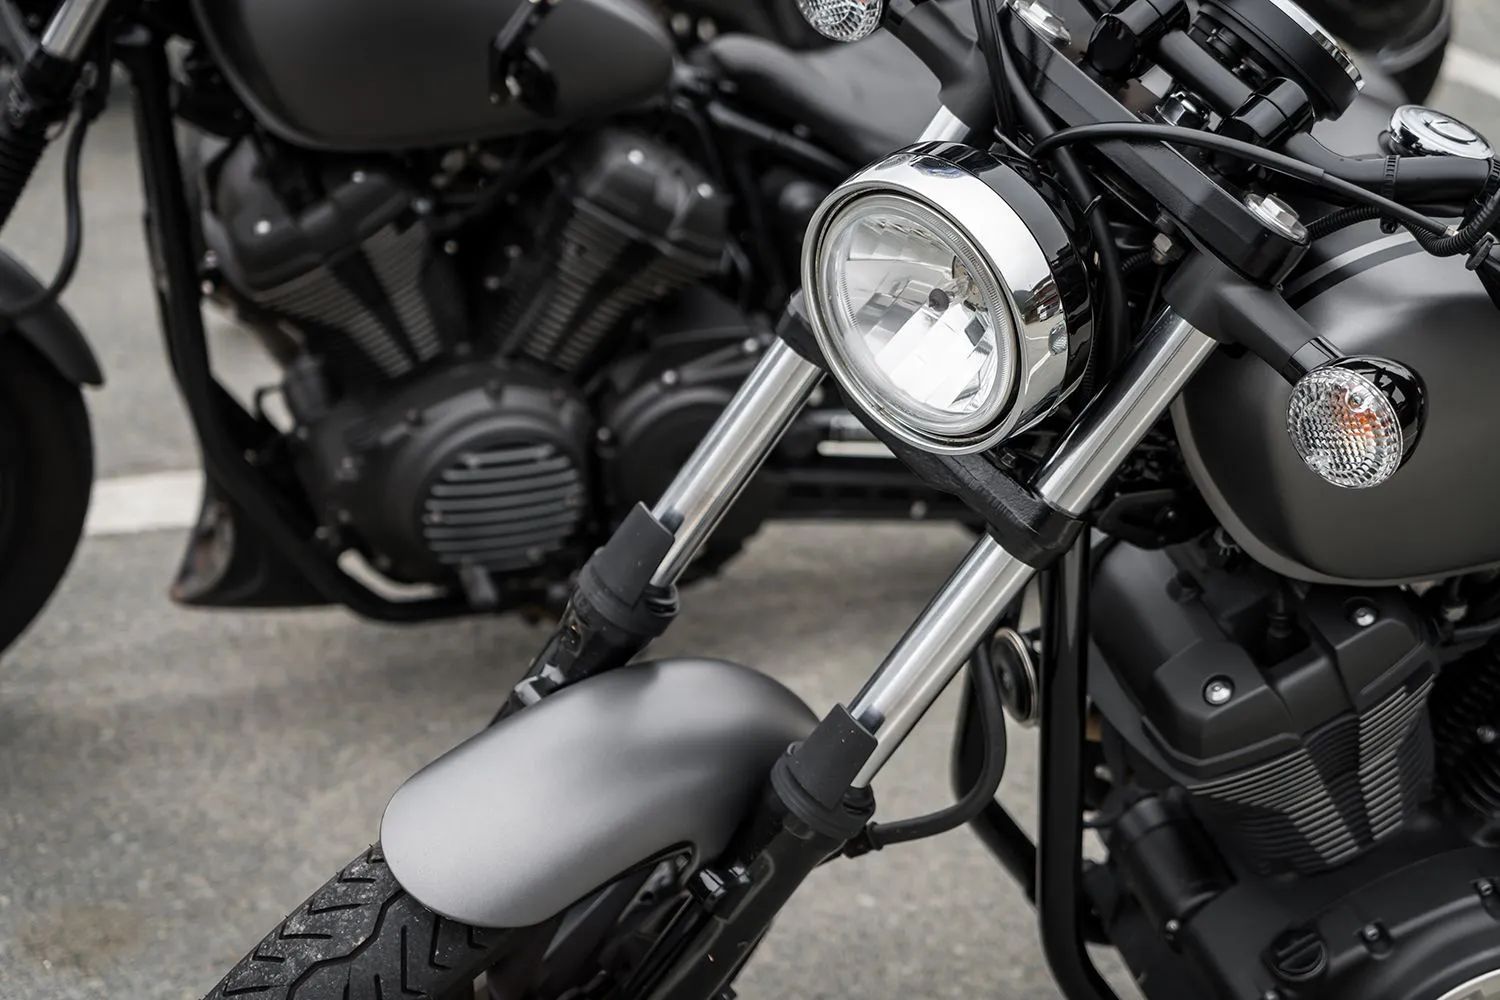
[1324, 40]
[1426, 132]
[68, 34]
[1041, 19]
[1278, 215]
[939, 641]
[1040, 334]
[729, 455]
[1119, 417]
[945, 127]
[928, 656]
[1486, 987]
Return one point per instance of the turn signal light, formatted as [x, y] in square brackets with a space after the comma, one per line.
[1356, 421]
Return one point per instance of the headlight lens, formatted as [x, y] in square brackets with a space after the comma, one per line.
[919, 316]
[947, 298]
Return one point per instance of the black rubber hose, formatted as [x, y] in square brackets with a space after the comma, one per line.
[1114, 334]
[992, 724]
[73, 214]
[1331, 223]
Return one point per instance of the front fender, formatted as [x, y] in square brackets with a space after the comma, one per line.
[50, 330]
[530, 816]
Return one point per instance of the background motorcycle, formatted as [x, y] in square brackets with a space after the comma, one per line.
[1269, 686]
[507, 288]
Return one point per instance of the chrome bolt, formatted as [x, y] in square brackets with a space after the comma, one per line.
[705, 190]
[636, 157]
[1040, 18]
[358, 177]
[1173, 926]
[1364, 616]
[1487, 734]
[1371, 933]
[670, 377]
[1218, 691]
[450, 248]
[1277, 215]
[263, 227]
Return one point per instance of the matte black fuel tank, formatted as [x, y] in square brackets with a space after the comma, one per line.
[356, 75]
[1367, 293]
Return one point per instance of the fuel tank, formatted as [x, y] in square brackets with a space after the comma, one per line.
[1367, 293]
[365, 75]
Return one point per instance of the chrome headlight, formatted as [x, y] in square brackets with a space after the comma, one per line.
[946, 297]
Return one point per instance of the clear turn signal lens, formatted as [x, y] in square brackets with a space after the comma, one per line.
[1354, 422]
[843, 20]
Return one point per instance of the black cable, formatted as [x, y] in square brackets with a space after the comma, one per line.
[73, 239]
[1331, 223]
[1113, 334]
[1317, 176]
[987, 24]
[992, 725]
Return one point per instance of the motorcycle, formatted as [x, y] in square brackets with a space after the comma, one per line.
[1212, 385]
[505, 302]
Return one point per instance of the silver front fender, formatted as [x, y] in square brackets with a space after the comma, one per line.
[533, 814]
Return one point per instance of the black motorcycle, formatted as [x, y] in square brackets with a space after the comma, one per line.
[509, 283]
[1220, 389]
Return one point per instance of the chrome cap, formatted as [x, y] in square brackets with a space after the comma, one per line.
[1425, 132]
[1041, 19]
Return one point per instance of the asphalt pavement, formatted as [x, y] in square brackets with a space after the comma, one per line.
[172, 782]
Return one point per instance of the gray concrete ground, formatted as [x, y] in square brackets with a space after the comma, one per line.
[172, 782]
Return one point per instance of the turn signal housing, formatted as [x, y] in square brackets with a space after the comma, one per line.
[1356, 421]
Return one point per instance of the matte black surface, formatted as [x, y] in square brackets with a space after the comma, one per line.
[51, 331]
[384, 74]
[862, 100]
[1367, 294]
[548, 805]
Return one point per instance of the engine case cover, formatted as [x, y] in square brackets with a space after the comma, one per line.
[470, 466]
[1321, 748]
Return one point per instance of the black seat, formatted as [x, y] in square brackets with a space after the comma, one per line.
[862, 100]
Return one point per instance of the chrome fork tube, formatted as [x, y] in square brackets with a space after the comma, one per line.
[728, 457]
[68, 34]
[928, 656]
[723, 464]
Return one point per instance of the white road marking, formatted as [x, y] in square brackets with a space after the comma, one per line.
[155, 501]
[1468, 68]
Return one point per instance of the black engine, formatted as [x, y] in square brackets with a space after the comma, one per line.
[1303, 804]
[443, 355]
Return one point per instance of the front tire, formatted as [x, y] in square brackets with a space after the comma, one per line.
[46, 475]
[362, 937]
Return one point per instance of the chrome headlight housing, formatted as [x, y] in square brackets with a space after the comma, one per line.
[947, 298]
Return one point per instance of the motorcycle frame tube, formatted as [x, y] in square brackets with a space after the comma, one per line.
[728, 457]
[927, 657]
[1061, 903]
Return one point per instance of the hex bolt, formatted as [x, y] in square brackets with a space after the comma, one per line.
[1218, 691]
[1487, 734]
[1371, 933]
[1364, 616]
[1172, 927]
